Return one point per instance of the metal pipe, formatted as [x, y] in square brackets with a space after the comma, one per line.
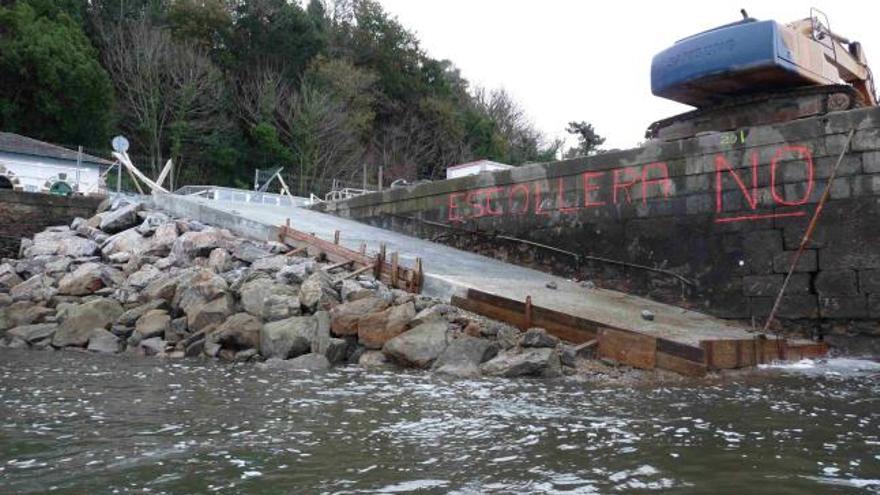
[808, 234]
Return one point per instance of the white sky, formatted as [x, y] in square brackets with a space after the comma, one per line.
[569, 60]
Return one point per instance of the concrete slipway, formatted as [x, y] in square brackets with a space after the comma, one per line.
[451, 272]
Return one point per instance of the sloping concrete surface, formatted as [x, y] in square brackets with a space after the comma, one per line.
[450, 271]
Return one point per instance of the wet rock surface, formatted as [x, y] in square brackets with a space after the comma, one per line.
[133, 280]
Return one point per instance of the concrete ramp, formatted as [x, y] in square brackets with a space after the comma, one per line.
[677, 339]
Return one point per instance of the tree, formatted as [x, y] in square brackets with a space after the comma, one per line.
[169, 92]
[588, 140]
[52, 85]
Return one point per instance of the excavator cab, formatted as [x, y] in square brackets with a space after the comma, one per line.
[793, 70]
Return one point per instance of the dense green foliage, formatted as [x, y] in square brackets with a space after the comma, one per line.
[226, 86]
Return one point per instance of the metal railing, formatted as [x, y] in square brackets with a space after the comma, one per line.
[230, 194]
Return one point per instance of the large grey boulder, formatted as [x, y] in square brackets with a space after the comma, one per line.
[203, 296]
[36, 288]
[296, 273]
[127, 241]
[464, 355]
[8, 277]
[81, 320]
[33, 333]
[103, 342]
[538, 337]
[192, 244]
[289, 337]
[271, 264]
[23, 313]
[418, 347]
[317, 292]
[264, 298]
[153, 323]
[308, 362]
[219, 260]
[352, 291]
[130, 317]
[248, 252]
[214, 312]
[240, 331]
[60, 244]
[535, 361]
[143, 276]
[162, 240]
[88, 278]
[152, 220]
[120, 219]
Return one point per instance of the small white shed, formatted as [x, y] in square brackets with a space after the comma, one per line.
[28, 164]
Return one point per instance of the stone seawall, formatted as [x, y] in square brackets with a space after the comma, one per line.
[725, 210]
[23, 214]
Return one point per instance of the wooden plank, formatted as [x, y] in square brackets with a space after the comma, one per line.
[633, 349]
[517, 319]
[394, 266]
[539, 314]
[683, 351]
[355, 273]
[796, 352]
[680, 365]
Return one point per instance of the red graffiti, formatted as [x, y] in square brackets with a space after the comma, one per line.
[750, 193]
[625, 185]
[590, 186]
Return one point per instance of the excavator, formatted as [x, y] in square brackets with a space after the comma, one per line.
[753, 72]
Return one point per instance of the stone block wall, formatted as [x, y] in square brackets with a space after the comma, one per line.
[725, 210]
[23, 214]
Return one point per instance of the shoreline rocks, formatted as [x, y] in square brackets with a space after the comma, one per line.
[134, 280]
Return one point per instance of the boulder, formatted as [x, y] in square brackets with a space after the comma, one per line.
[130, 317]
[239, 331]
[534, 361]
[464, 355]
[418, 347]
[214, 312]
[81, 320]
[177, 330]
[33, 333]
[88, 278]
[297, 273]
[163, 287]
[374, 329]
[142, 277]
[336, 350]
[266, 299]
[344, 317]
[23, 313]
[352, 291]
[104, 342]
[538, 337]
[374, 360]
[8, 277]
[248, 252]
[198, 287]
[153, 323]
[288, 338]
[127, 241]
[507, 337]
[219, 260]
[271, 264]
[163, 240]
[60, 244]
[152, 220]
[308, 362]
[120, 219]
[36, 288]
[437, 312]
[193, 244]
[317, 292]
[152, 347]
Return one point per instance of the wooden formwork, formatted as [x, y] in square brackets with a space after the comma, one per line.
[637, 349]
[389, 272]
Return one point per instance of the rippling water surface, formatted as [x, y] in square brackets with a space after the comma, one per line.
[79, 423]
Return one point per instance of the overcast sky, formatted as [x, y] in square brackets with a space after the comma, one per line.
[569, 60]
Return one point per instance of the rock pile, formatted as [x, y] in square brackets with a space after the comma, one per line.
[135, 280]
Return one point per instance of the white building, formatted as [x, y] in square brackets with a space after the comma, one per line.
[474, 168]
[31, 165]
